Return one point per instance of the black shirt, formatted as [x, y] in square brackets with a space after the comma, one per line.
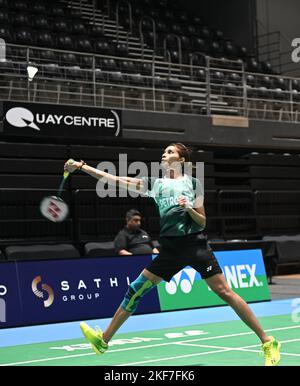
[138, 242]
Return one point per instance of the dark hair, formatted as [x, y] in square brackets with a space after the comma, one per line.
[183, 151]
[131, 213]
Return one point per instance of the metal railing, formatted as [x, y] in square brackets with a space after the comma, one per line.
[217, 86]
[118, 17]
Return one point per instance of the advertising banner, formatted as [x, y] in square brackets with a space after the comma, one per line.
[10, 299]
[37, 292]
[46, 120]
[244, 271]
[66, 290]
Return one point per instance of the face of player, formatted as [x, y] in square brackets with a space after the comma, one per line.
[134, 223]
[171, 156]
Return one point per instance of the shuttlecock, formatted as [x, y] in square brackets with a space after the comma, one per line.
[31, 72]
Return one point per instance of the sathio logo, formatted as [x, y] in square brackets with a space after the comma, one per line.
[40, 294]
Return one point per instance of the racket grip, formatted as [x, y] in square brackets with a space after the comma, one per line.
[66, 173]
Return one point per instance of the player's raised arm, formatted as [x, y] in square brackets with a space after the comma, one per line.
[134, 184]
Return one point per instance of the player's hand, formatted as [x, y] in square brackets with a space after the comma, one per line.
[71, 165]
[183, 202]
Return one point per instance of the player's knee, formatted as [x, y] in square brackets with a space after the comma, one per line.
[136, 290]
[224, 292]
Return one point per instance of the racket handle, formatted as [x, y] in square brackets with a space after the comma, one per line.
[66, 173]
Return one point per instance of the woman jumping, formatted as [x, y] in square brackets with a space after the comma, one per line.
[182, 219]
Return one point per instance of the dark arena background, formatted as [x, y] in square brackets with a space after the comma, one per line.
[96, 80]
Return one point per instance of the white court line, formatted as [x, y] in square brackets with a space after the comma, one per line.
[245, 348]
[149, 346]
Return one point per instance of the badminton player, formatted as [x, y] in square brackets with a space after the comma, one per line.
[182, 221]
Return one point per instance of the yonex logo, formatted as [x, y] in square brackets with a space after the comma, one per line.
[40, 294]
[183, 279]
[20, 117]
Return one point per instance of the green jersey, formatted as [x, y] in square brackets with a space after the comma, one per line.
[174, 219]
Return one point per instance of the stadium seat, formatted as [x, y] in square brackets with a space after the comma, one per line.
[37, 252]
[100, 249]
[65, 42]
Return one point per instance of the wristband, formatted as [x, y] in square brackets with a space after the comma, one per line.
[82, 163]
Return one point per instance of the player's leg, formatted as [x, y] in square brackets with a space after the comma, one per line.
[137, 289]
[204, 261]
[271, 346]
[219, 285]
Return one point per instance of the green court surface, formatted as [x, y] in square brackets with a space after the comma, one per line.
[222, 344]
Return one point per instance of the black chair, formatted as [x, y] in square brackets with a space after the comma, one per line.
[217, 77]
[102, 47]
[37, 252]
[60, 26]
[100, 249]
[84, 45]
[108, 65]
[161, 26]
[146, 69]
[128, 67]
[24, 36]
[251, 80]
[199, 44]
[176, 29]
[121, 50]
[48, 56]
[68, 60]
[40, 23]
[19, 5]
[185, 43]
[282, 83]
[45, 39]
[204, 32]
[136, 80]
[6, 34]
[116, 77]
[86, 62]
[296, 84]
[65, 42]
[252, 65]
[78, 28]
[39, 8]
[4, 17]
[266, 68]
[215, 48]
[95, 30]
[52, 70]
[56, 10]
[230, 50]
[3, 3]
[74, 13]
[74, 72]
[20, 19]
[173, 84]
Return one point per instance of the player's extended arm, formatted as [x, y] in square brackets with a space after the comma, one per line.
[125, 182]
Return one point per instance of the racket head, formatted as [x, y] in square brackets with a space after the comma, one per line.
[54, 208]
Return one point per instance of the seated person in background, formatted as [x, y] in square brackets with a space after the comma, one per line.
[132, 240]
